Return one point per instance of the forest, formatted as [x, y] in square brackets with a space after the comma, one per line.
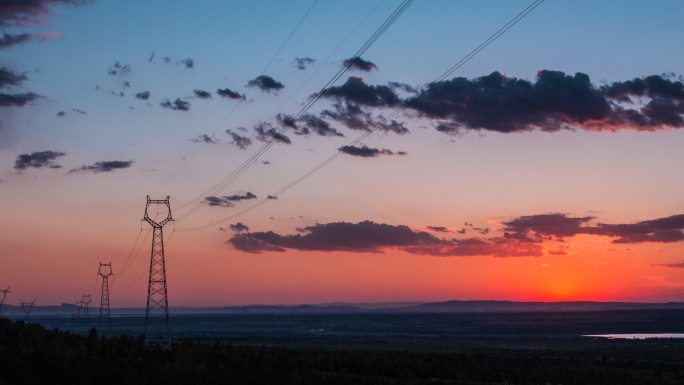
[32, 354]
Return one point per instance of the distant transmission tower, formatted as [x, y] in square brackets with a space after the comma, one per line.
[85, 301]
[2, 299]
[79, 304]
[27, 307]
[157, 312]
[105, 271]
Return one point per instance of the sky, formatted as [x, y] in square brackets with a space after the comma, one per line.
[546, 168]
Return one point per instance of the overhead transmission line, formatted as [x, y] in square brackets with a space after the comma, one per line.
[133, 253]
[230, 113]
[493, 37]
[295, 93]
[232, 176]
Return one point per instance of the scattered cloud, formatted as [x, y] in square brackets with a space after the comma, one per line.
[439, 229]
[677, 265]
[61, 114]
[356, 91]
[302, 63]
[265, 83]
[38, 159]
[357, 63]
[558, 226]
[228, 93]
[7, 40]
[177, 105]
[17, 100]
[238, 140]
[266, 132]
[10, 78]
[312, 123]
[228, 200]
[144, 95]
[368, 152]
[119, 70]
[104, 166]
[202, 94]
[239, 227]
[187, 63]
[204, 138]
[25, 12]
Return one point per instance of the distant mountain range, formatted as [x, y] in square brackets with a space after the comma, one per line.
[356, 308]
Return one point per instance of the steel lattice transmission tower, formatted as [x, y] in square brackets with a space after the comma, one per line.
[105, 271]
[27, 307]
[2, 299]
[85, 300]
[157, 312]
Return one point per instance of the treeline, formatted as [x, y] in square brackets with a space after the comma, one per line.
[30, 354]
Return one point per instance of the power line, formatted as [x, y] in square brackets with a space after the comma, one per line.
[286, 101]
[230, 113]
[493, 37]
[232, 176]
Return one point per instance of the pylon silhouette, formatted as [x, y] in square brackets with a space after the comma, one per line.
[27, 307]
[2, 299]
[85, 301]
[157, 311]
[105, 271]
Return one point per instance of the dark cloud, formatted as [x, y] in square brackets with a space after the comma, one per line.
[357, 63]
[143, 95]
[178, 104]
[239, 227]
[187, 63]
[272, 197]
[241, 141]
[119, 69]
[104, 166]
[38, 159]
[10, 78]
[167, 59]
[228, 200]
[547, 226]
[368, 152]
[202, 94]
[301, 63]
[312, 123]
[356, 91]
[228, 93]
[61, 114]
[287, 121]
[678, 265]
[403, 87]
[204, 138]
[368, 236]
[7, 40]
[265, 83]
[393, 126]
[17, 100]
[23, 12]
[553, 101]
[439, 229]
[351, 115]
[151, 57]
[266, 132]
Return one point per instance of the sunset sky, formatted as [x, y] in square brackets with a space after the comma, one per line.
[548, 167]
